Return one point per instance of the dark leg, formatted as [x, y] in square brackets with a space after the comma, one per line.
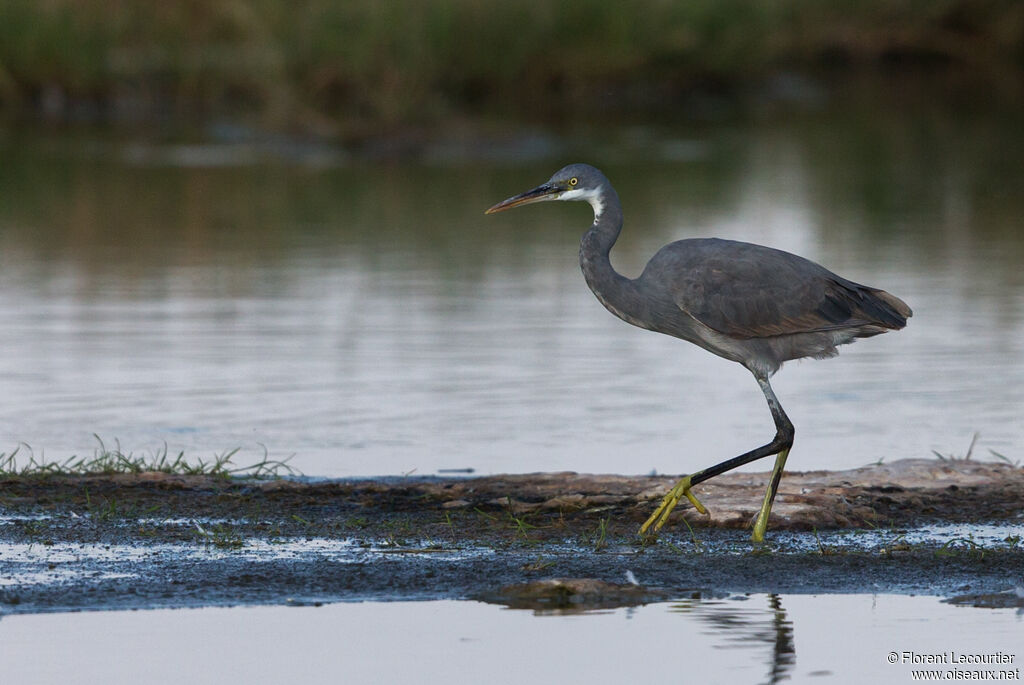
[780, 445]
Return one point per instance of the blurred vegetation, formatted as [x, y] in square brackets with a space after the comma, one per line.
[334, 66]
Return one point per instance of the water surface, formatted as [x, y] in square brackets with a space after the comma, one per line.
[753, 638]
[367, 318]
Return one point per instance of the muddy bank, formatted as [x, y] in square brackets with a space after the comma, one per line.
[544, 506]
[151, 540]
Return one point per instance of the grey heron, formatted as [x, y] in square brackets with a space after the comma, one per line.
[748, 303]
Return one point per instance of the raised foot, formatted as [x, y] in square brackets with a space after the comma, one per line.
[661, 514]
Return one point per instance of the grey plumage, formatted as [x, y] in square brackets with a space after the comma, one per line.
[748, 303]
[752, 304]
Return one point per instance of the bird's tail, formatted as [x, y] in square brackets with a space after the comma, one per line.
[887, 310]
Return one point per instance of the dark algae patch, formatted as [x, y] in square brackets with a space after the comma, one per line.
[158, 539]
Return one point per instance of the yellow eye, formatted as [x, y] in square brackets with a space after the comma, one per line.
[573, 181]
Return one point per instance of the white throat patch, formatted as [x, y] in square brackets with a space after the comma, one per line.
[591, 196]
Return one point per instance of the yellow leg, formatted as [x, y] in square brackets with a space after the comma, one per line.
[761, 523]
[660, 515]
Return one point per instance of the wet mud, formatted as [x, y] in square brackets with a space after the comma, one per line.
[949, 528]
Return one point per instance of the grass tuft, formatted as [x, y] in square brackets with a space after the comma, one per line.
[953, 457]
[1005, 459]
[107, 461]
[220, 536]
[601, 535]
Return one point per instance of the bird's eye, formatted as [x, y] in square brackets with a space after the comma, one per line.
[573, 181]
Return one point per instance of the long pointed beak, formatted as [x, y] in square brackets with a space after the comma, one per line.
[543, 192]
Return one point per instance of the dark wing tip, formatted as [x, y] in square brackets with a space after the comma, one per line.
[881, 308]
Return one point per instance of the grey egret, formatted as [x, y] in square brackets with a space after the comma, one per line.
[748, 303]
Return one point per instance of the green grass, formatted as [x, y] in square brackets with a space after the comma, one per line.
[327, 63]
[961, 546]
[541, 564]
[601, 535]
[953, 457]
[693, 536]
[970, 451]
[220, 536]
[823, 549]
[1006, 460]
[106, 461]
[520, 525]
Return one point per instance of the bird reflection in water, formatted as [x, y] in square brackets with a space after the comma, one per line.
[743, 627]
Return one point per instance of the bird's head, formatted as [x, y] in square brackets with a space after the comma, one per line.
[573, 182]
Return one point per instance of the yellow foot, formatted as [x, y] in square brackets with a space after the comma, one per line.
[660, 515]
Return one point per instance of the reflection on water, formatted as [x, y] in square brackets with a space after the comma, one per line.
[733, 639]
[744, 627]
[369, 319]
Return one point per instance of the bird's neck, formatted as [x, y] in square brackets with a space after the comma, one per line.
[615, 291]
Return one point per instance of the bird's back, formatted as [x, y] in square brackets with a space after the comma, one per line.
[761, 306]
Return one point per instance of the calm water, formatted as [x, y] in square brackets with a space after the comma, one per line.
[367, 318]
[735, 639]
